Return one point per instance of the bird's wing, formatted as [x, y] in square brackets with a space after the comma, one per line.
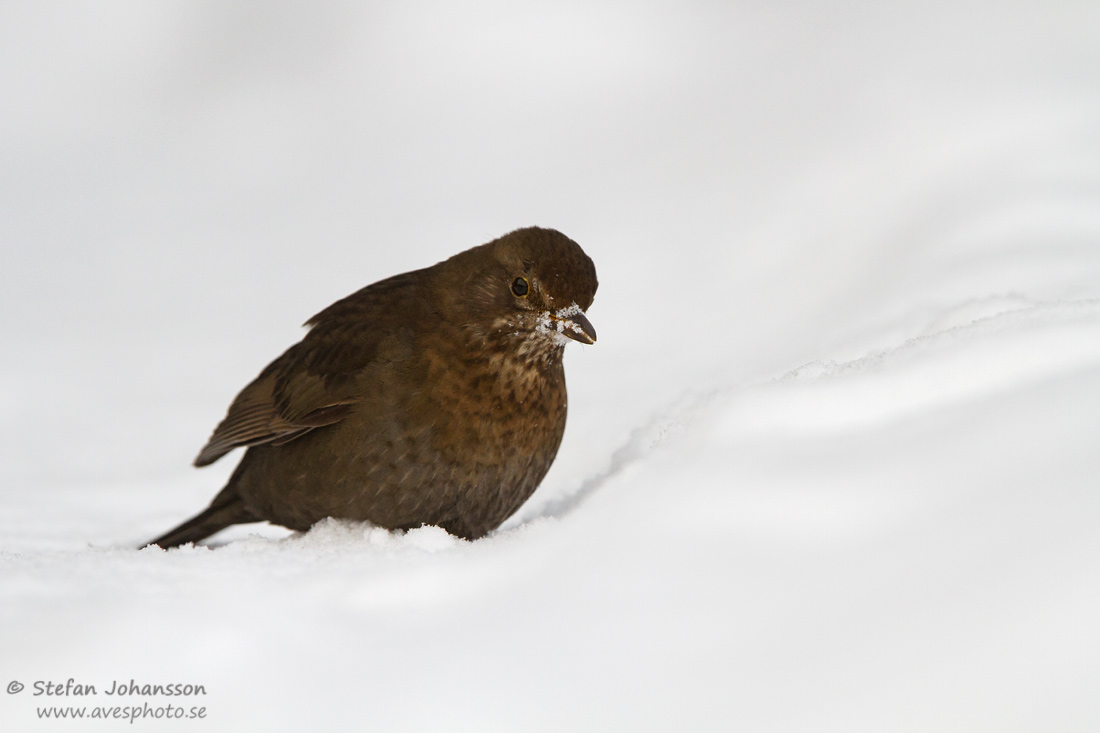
[312, 384]
[288, 399]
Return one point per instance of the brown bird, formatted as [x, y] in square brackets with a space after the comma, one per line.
[432, 397]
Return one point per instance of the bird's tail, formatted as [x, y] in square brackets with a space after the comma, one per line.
[226, 509]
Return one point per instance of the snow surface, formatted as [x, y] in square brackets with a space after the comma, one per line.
[832, 465]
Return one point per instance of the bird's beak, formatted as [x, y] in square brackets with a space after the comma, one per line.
[573, 323]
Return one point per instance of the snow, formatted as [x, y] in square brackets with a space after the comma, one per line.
[555, 323]
[832, 464]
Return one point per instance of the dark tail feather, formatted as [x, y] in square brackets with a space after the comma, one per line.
[226, 509]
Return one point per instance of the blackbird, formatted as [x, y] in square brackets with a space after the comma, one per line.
[432, 397]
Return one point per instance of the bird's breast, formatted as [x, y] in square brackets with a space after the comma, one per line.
[496, 406]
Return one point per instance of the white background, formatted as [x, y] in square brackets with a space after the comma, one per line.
[832, 465]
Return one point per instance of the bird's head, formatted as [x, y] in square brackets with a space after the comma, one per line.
[533, 284]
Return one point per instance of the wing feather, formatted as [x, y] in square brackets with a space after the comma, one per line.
[313, 384]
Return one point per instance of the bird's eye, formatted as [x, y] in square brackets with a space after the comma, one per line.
[520, 287]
